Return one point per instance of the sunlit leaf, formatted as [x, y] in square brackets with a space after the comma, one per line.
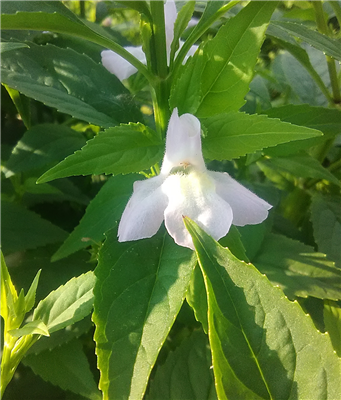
[31, 328]
[332, 323]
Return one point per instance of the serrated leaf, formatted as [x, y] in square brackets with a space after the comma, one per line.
[31, 328]
[67, 304]
[101, 215]
[66, 366]
[186, 372]
[119, 150]
[139, 291]
[325, 120]
[70, 82]
[332, 323]
[263, 346]
[297, 268]
[23, 229]
[326, 219]
[302, 165]
[41, 146]
[8, 46]
[230, 59]
[316, 39]
[31, 294]
[235, 134]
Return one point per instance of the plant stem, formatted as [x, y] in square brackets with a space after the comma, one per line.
[323, 28]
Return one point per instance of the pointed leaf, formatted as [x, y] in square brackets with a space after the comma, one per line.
[123, 149]
[230, 59]
[186, 374]
[235, 134]
[263, 346]
[8, 46]
[30, 297]
[23, 229]
[70, 82]
[9, 295]
[68, 304]
[31, 328]
[139, 291]
[297, 268]
[101, 215]
[66, 366]
[332, 323]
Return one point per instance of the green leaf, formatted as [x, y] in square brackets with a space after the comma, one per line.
[302, 165]
[9, 295]
[325, 120]
[139, 291]
[41, 146]
[235, 134]
[23, 229]
[297, 269]
[66, 366]
[101, 215]
[186, 372]
[68, 304]
[332, 323]
[22, 104]
[119, 150]
[327, 45]
[8, 46]
[31, 328]
[326, 219]
[70, 82]
[263, 346]
[230, 59]
[30, 297]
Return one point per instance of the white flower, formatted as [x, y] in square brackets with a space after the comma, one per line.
[186, 188]
[122, 68]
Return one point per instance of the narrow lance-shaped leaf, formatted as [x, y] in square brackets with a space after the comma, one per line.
[119, 150]
[31, 328]
[263, 346]
[140, 289]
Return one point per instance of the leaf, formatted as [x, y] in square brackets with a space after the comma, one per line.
[43, 145]
[68, 304]
[325, 120]
[302, 165]
[31, 328]
[100, 216]
[186, 372]
[9, 295]
[326, 219]
[235, 134]
[119, 150]
[30, 297]
[297, 268]
[139, 291]
[66, 366]
[230, 59]
[22, 104]
[263, 346]
[70, 82]
[8, 46]
[23, 229]
[327, 45]
[332, 322]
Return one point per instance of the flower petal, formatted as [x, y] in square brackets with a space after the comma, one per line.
[183, 143]
[118, 65]
[247, 208]
[193, 195]
[143, 214]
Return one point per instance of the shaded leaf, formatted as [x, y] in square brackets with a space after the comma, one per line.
[332, 323]
[101, 215]
[139, 291]
[7, 46]
[186, 373]
[263, 346]
[297, 268]
[66, 366]
[67, 304]
[123, 149]
[235, 134]
[23, 229]
[70, 82]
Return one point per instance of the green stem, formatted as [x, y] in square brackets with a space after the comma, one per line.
[82, 9]
[324, 29]
[197, 33]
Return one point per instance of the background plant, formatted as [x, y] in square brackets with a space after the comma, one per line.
[269, 105]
